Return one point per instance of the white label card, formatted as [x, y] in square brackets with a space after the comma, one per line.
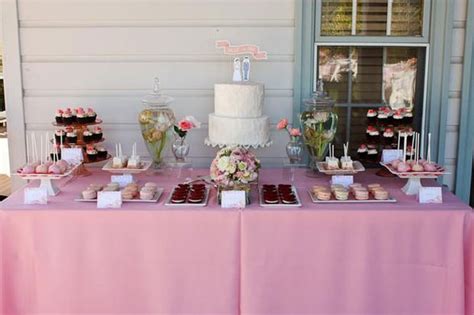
[233, 199]
[343, 180]
[109, 199]
[122, 180]
[72, 155]
[36, 196]
[430, 195]
[391, 155]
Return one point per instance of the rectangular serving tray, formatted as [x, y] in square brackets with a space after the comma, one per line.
[280, 205]
[155, 199]
[358, 167]
[350, 200]
[185, 204]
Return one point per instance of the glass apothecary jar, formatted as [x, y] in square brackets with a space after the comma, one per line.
[156, 120]
[319, 124]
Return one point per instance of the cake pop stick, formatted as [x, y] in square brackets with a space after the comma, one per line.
[27, 151]
[412, 146]
[429, 148]
[405, 138]
[47, 147]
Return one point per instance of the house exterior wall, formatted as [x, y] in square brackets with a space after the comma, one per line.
[105, 54]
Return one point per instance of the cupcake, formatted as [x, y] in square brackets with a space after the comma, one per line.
[89, 194]
[388, 136]
[101, 152]
[60, 136]
[372, 153]
[91, 153]
[372, 134]
[408, 119]
[74, 115]
[97, 134]
[91, 115]
[398, 117]
[71, 137]
[81, 116]
[383, 116]
[362, 152]
[87, 136]
[59, 116]
[67, 118]
[372, 116]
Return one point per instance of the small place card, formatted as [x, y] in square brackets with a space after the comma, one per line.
[122, 180]
[109, 199]
[36, 196]
[233, 199]
[72, 155]
[344, 180]
[391, 155]
[430, 195]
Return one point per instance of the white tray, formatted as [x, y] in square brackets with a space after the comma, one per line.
[358, 167]
[185, 204]
[440, 171]
[108, 168]
[68, 172]
[350, 200]
[280, 205]
[155, 199]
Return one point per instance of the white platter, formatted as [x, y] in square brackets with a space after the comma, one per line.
[68, 172]
[280, 205]
[440, 171]
[178, 205]
[108, 168]
[358, 167]
[155, 199]
[350, 200]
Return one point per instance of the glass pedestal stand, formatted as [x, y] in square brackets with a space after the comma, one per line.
[289, 170]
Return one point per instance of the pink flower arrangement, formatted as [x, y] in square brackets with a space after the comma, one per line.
[234, 166]
[294, 133]
[186, 124]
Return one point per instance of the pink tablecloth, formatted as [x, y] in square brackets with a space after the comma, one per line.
[397, 258]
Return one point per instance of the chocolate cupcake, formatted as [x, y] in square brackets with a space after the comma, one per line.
[408, 119]
[91, 116]
[372, 116]
[97, 134]
[81, 118]
[91, 154]
[388, 136]
[87, 136]
[101, 152]
[372, 134]
[60, 136]
[362, 152]
[71, 137]
[372, 154]
[67, 118]
[59, 116]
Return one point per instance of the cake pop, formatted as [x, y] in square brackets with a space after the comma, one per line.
[54, 169]
[430, 167]
[417, 167]
[403, 167]
[28, 169]
[41, 169]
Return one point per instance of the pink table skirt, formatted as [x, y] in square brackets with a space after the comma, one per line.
[69, 257]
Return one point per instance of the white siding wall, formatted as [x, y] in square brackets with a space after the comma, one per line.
[452, 134]
[105, 53]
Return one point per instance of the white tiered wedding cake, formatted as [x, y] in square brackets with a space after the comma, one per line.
[238, 118]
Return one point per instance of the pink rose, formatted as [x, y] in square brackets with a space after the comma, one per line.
[295, 132]
[282, 124]
[185, 125]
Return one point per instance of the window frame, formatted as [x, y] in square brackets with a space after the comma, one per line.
[423, 39]
[364, 105]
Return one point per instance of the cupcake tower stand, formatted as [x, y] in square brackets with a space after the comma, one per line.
[79, 128]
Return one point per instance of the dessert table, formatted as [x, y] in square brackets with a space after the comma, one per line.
[69, 257]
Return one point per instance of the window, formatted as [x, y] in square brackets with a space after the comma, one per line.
[371, 54]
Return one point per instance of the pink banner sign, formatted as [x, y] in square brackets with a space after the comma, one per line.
[246, 49]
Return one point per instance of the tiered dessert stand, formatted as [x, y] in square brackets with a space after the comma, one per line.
[79, 128]
[413, 184]
[47, 181]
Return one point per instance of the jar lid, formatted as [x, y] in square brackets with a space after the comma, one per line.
[156, 98]
[320, 97]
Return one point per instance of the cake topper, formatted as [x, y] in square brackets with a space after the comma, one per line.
[246, 68]
[237, 77]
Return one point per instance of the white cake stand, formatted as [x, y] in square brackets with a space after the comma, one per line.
[413, 184]
[246, 146]
[145, 165]
[47, 181]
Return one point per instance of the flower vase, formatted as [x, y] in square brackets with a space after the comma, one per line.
[319, 124]
[155, 122]
[295, 150]
[180, 149]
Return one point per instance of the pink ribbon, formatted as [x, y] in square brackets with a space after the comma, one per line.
[246, 49]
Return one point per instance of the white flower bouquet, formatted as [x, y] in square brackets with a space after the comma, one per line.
[234, 166]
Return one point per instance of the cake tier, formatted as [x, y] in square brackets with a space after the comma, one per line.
[244, 100]
[238, 131]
